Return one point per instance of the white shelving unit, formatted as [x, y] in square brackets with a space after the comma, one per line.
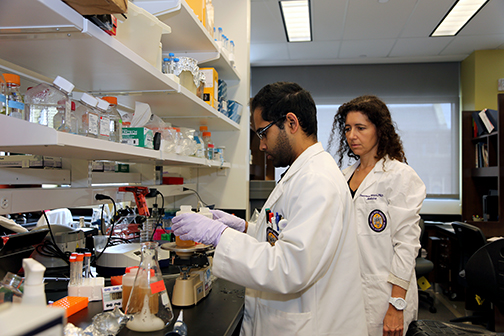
[46, 38]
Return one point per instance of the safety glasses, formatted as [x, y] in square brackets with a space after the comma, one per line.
[260, 131]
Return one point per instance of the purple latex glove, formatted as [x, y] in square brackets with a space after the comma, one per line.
[232, 221]
[193, 226]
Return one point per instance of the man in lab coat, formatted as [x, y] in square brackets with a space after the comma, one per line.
[300, 260]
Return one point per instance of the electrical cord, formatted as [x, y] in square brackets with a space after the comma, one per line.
[211, 206]
[59, 253]
[161, 213]
[100, 197]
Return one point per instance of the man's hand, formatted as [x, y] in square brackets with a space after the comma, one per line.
[232, 221]
[193, 226]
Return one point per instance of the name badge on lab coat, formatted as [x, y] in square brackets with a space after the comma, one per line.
[271, 236]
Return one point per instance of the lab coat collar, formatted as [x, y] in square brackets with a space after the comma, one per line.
[370, 179]
[301, 160]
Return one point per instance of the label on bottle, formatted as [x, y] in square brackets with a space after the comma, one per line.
[105, 127]
[157, 286]
[94, 124]
[12, 104]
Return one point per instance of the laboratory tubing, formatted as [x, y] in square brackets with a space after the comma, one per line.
[87, 117]
[166, 64]
[14, 105]
[47, 104]
[104, 124]
[149, 307]
[73, 271]
[87, 264]
[80, 264]
[115, 119]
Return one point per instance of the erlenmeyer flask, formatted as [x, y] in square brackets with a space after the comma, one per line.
[149, 306]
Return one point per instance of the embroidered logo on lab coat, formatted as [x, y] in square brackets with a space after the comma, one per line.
[377, 221]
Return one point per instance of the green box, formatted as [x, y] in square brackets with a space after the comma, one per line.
[138, 136]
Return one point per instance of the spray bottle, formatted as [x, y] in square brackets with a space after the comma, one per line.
[34, 291]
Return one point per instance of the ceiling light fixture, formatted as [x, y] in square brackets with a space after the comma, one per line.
[296, 19]
[458, 16]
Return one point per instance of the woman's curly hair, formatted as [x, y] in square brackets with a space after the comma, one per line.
[389, 142]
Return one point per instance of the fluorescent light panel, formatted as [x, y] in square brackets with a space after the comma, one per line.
[460, 14]
[296, 17]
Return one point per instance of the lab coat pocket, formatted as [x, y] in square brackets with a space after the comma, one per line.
[376, 295]
[270, 321]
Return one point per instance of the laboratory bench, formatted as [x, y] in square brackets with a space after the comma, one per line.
[219, 313]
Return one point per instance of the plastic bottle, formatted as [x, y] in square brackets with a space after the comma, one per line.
[104, 124]
[207, 138]
[200, 144]
[166, 64]
[44, 101]
[34, 289]
[87, 117]
[14, 105]
[115, 119]
[179, 242]
[204, 211]
[59, 120]
[175, 66]
[2, 95]
[127, 283]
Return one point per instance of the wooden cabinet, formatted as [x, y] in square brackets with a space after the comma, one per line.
[478, 181]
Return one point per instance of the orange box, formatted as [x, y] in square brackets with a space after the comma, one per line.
[211, 91]
[198, 7]
[72, 304]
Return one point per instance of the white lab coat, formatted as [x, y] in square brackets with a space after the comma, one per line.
[309, 282]
[388, 248]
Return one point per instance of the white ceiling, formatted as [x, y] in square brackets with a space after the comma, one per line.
[366, 31]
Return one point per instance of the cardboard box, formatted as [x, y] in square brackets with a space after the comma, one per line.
[211, 91]
[198, 7]
[92, 7]
[138, 136]
[30, 161]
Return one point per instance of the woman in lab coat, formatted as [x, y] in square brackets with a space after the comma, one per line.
[387, 196]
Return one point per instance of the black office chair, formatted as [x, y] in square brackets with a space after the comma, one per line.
[423, 267]
[485, 274]
[470, 239]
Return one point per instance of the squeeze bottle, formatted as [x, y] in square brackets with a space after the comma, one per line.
[34, 290]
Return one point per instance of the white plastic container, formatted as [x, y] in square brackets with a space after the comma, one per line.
[179, 242]
[141, 32]
[128, 279]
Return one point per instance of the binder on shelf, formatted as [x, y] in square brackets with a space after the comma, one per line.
[493, 116]
[479, 128]
[486, 121]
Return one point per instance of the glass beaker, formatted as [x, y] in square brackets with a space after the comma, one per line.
[149, 307]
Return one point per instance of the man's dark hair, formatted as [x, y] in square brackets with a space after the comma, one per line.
[279, 98]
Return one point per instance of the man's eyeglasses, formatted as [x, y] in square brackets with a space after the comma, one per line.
[260, 131]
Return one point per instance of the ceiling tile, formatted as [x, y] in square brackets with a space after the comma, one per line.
[467, 44]
[366, 49]
[371, 19]
[268, 52]
[422, 46]
[327, 19]
[266, 23]
[425, 17]
[313, 50]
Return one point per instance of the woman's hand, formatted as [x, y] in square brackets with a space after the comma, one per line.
[393, 323]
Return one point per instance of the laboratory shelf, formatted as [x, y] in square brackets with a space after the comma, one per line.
[24, 176]
[76, 49]
[20, 136]
[200, 46]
